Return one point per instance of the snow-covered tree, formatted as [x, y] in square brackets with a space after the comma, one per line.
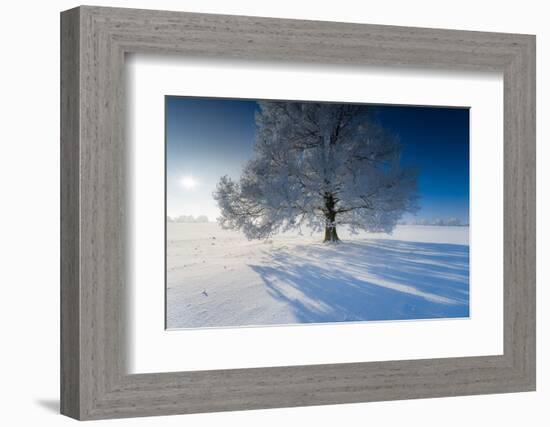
[453, 222]
[201, 219]
[321, 165]
[190, 219]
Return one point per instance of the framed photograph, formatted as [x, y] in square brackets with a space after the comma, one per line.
[263, 213]
[314, 206]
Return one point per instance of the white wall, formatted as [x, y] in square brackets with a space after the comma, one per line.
[29, 230]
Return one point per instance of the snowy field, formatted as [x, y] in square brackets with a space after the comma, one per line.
[218, 278]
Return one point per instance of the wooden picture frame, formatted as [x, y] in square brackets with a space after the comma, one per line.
[94, 382]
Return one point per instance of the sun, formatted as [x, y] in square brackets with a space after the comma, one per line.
[188, 182]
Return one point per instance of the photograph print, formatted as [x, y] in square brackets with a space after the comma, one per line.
[295, 212]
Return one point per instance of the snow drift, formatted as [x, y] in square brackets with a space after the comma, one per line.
[218, 278]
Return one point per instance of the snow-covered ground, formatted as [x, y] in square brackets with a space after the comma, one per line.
[218, 278]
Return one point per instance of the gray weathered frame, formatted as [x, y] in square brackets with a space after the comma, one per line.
[94, 41]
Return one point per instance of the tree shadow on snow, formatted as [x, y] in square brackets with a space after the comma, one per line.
[369, 280]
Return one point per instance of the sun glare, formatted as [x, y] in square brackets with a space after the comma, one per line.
[188, 182]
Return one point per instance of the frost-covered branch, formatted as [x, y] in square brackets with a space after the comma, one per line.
[320, 165]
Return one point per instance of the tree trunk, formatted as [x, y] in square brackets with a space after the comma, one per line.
[331, 235]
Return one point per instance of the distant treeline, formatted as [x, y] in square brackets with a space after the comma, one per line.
[188, 218]
[454, 222]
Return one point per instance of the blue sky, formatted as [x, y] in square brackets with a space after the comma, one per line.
[207, 138]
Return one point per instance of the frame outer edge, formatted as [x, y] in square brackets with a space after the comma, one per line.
[527, 172]
[532, 137]
[70, 396]
[91, 366]
[520, 215]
